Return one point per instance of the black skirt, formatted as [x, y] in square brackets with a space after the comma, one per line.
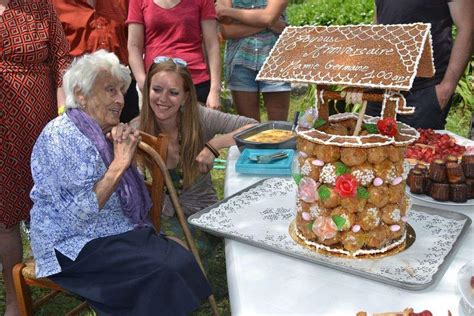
[135, 273]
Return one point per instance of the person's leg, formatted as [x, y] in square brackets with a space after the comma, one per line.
[245, 95]
[134, 273]
[247, 103]
[131, 108]
[202, 91]
[11, 251]
[276, 97]
[277, 105]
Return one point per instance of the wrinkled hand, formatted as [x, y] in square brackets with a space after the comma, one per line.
[205, 160]
[443, 95]
[213, 101]
[125, 141]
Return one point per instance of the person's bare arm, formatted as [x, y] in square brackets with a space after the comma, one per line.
[265, 17]
[226, 140]
[238, 30]
[205, 159]
[461, 13]
[278, 26]
[136, 40]
[61, 98]
[211, 43]
[231, 29]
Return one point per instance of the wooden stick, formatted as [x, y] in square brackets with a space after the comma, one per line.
[180, 214]
[360, 119]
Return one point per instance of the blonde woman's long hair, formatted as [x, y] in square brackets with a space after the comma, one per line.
[190, 125]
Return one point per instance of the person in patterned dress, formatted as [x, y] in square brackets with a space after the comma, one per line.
[91, 25]
[33, 55]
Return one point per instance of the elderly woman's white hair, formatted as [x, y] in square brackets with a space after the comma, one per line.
[83, 72]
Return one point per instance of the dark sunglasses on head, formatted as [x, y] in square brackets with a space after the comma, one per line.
[176, 61]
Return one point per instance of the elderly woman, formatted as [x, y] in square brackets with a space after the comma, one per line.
[90, 231]
[170, 107]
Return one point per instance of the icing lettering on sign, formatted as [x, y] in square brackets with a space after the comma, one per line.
[378, 56]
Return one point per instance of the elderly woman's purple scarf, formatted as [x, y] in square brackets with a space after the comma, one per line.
[131, 189]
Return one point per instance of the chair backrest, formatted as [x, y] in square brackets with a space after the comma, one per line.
[154, 177]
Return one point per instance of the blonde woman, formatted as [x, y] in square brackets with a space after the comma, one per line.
[195, 133]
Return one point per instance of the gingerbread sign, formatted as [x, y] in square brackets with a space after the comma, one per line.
[370, 56]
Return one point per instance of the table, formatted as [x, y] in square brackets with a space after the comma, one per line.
[262, 282]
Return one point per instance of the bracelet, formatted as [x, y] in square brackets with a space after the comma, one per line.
[211, 148]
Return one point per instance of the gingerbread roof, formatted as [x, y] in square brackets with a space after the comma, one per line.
[375, 56]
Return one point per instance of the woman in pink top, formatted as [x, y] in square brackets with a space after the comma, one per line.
[177, 28]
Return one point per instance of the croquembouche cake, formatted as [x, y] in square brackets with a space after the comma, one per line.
[351, 189]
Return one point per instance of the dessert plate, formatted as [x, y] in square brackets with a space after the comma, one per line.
[464, 285]
[428, 199]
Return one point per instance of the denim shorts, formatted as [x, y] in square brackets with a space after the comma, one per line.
[243, 79]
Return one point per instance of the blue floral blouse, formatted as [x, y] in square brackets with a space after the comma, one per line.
[65, 216]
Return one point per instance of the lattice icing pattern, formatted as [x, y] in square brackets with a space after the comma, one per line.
[379, 56]
[407, 135]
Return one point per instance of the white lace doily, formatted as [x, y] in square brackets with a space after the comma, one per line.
[261, 215]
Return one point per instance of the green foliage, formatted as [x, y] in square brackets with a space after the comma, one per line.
[461, 114]
[333, 12]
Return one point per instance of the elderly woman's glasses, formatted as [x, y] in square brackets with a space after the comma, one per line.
[176, 61]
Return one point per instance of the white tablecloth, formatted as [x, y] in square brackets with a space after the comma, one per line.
[262, 282]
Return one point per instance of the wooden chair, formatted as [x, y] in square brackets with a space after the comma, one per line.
[152, 151]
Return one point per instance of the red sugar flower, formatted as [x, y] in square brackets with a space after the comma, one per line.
[346, 185]
[387, 126]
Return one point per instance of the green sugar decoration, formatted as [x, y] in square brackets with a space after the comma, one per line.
[371, 128]
[362, 193]
[324, 192]
[339, 221]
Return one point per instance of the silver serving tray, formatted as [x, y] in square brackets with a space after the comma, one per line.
[261, 214]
